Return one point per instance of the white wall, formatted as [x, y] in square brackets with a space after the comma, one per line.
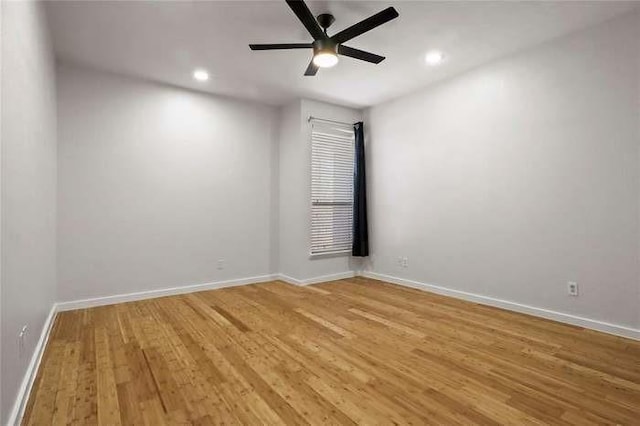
[291, 191]
[295, 191]
[510, 180]
[158, 183]
[28, 188]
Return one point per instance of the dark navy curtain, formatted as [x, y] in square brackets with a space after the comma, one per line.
[360, 246]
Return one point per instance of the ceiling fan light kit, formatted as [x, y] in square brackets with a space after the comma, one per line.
[325, 48]
[325, 53]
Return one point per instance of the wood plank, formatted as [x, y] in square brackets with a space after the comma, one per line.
[354, 351]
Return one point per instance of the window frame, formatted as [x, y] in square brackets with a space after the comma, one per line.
[340, 252]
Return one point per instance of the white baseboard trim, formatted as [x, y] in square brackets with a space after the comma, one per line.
[15, 418]
[151, 294]
[289, 280]
[315, 280]
[605, 327]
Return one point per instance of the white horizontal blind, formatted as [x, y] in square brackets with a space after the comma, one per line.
[332, 165]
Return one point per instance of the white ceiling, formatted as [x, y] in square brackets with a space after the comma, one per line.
[164, 41]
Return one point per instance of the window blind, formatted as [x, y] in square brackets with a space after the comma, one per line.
[332, 165]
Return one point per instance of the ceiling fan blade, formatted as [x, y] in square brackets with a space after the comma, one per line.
[306, 17]
[368, 24]
[359, 54]
[280, 46]
[312, 69]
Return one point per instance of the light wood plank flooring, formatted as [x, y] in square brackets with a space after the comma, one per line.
[351, 351]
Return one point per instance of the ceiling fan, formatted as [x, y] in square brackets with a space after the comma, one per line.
[326, 49]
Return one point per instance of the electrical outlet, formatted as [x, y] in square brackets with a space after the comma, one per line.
[220, 264]
[572, 288]
[400, 260]
[405, 262]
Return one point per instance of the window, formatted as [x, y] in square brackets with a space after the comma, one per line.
[332, 162]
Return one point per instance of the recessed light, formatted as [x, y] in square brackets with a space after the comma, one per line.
[434, 57]
[201, 75]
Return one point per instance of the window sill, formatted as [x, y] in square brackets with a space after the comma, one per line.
[341, 253]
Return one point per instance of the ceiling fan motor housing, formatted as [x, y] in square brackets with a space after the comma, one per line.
[325, 45]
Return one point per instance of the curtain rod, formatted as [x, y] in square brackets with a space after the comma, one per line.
[329, 121]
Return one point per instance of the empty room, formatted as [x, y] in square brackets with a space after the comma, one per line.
[320, 212]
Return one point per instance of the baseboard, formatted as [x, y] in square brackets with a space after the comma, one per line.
[15, 417]
[142, 295]
[615, 329]
[288, 279]
[315, 280]
[151, 294]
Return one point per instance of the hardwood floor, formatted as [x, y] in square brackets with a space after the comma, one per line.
[344, 352]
